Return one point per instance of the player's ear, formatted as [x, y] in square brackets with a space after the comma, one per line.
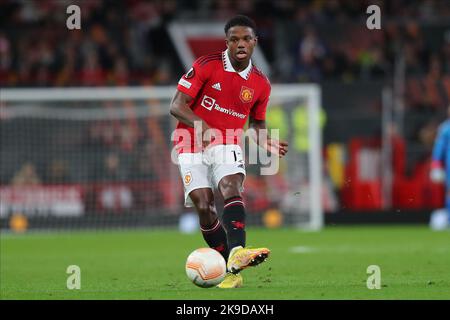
[226, 42]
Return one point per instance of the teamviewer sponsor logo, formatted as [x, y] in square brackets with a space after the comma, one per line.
[208, 102]
[229, 112]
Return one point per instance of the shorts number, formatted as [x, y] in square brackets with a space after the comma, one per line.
[235, 157]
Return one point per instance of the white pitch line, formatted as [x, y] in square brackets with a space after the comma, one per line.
[302, 249]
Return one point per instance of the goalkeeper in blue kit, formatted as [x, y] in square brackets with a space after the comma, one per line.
[440, 163]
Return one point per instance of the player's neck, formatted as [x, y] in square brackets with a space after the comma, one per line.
[238, 65]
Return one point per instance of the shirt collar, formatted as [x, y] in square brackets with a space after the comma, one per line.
[229, 67]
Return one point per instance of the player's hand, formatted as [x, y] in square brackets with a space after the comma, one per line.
[202, 137]
[209, 135]
[437, 175]
[206, 137]
[277, 147]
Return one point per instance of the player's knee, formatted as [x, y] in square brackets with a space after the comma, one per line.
[230, 187]
[206, 209]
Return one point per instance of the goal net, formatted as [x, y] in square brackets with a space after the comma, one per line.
[101, 157]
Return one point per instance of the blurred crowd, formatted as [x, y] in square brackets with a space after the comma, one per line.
[126, 42]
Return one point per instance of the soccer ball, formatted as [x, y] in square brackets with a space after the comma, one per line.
[206, 267]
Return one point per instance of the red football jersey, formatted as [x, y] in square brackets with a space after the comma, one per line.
[222, 97]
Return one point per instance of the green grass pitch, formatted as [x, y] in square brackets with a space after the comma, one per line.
[146, 264]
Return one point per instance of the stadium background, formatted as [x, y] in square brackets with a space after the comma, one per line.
[120, 167]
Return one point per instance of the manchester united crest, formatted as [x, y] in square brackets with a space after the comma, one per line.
[246, 94]
[187, 178]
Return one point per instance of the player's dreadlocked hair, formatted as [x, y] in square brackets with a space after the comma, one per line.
[242, 21]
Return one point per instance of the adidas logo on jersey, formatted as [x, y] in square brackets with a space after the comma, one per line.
[217, 86]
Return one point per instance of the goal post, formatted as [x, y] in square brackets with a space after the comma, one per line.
[307, 96]
[100, 157]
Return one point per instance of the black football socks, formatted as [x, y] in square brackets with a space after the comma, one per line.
[234, 221]
[216, 237]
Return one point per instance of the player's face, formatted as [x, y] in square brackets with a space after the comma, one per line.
[240, 42]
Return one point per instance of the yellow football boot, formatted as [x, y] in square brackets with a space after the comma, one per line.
[231, 281]
[241, 258]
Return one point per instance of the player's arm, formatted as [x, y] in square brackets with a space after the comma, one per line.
[179, 108]
[188, 89]
[263, 138]
[258, 123]
[438, 156]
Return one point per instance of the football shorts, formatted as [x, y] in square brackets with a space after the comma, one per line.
[206, 169]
